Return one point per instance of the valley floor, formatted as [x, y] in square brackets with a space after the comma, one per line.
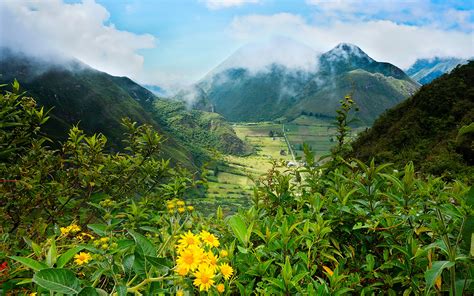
[231, 178]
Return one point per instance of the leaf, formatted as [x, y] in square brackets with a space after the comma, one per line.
[88, 291]
[466, 129]
[328, 270]
[67, 256]
[31, 263]
[51, 257]
[121, 290]
[435, 271]
[162, 264]
[16, 86]
[99, 229]
[239, 228]
[143, 243]
[57, 280]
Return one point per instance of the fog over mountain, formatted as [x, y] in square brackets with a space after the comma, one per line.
[264, 81]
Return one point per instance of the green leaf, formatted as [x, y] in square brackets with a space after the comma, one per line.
[57, 280]
[162, 264]
[67, 256]
[143, 243]
[36, 248]
[31, 263]
[99, 229]
[121, 290]
[435, 271]
[16, 86]
[51, 257]
[88, 291]
[239, 228]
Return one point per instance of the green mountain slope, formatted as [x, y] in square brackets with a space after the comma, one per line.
[425, 128]
[97, 101]
[277, 90]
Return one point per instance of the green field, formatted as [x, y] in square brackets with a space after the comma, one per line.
[230, 181]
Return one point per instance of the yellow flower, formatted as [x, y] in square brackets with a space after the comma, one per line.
[226, 270]
[224, 253]
[170, 206]
[181, 210]
[190, 257]
[188, 239]
[64, 230]
[32, 294]
[209, 239]
[220, 288]
[180, 293]
[104, 239]
[74, 228]
[182, 270]
[82, 258]
[180, 203]
[190, 208]
[204, 277]
[211, 260]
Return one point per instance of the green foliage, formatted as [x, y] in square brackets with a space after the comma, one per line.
[431, 129]
[82, 221]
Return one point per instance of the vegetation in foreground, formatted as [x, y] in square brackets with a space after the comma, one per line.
[78, 220]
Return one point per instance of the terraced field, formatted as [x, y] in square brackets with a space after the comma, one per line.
[230, 181]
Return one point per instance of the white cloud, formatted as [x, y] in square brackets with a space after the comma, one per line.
[79, 30]
[420, 12]
[258, 56]
[219, 4]
[381, 39]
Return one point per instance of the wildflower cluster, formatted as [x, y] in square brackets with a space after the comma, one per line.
[199, 257]
[178, 205]
[71, 229]
[104, 243]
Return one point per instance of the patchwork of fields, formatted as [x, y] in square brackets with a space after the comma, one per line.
[230, 178]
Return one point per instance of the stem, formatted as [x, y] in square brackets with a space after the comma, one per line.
[146, 281]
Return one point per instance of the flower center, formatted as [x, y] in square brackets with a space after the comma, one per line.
[189, 259]
[204, 279]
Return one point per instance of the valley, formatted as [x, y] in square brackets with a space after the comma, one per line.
[231, 178]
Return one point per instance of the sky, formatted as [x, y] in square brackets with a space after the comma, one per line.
[173, 43]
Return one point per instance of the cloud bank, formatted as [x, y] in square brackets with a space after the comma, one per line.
[382, 40]
[80, 30]
[258, 56]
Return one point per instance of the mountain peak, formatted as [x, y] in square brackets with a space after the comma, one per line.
[345, 51]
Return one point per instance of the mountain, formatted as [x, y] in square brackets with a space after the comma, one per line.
[426, 70]
[98, 101]
[425, 128]
[284, 79]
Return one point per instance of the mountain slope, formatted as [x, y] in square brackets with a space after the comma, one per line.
[425, 128]
[426, 70]
[97, 101]
[287, 89]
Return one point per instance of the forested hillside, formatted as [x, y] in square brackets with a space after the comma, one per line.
[78, 94]
[429, 128]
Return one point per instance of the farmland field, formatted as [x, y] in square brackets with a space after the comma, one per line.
[230, 181]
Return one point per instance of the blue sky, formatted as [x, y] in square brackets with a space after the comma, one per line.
[176, 42]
